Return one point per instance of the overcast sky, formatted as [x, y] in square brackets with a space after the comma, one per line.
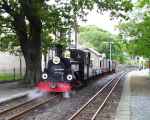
[94, 18]
[102, 21]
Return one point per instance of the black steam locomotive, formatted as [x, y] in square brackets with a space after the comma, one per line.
[71, 68]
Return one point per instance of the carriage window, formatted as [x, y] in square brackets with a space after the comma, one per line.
[91, 63]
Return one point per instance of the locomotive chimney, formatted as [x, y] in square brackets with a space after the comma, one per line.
[58, 50]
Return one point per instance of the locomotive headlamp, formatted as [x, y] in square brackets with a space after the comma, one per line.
[56, 60]
[44, 76]
[69, 77]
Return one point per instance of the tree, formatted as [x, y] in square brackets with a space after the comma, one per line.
[136, 31]
[26, 20]
[96, 38]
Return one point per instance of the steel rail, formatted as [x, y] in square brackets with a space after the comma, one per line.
[29, 109]
[18, 114]
[14, 107]
[90, 100]
[107, 97]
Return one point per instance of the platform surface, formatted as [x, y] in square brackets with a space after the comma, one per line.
[11, 90]
[135, 99]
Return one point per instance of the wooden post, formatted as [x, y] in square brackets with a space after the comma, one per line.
[20, 67]
[149, 65]
[14, 73]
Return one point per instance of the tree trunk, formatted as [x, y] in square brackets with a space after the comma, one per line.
[33, 56]
[30, 43]
[33, 68]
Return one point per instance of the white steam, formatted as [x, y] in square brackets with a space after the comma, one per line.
[36, 94]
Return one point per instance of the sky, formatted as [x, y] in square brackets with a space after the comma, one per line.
[101, 21]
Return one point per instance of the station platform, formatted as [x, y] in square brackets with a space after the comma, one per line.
[12, 90]
[135, 99]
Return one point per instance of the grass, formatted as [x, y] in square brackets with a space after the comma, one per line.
[9, 76]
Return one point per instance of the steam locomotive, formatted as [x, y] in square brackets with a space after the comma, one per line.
[71, 68]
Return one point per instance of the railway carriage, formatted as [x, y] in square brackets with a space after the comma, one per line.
[95, 58]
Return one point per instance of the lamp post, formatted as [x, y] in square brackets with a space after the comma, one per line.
[76, 30]
[110, 54]
[110, 49]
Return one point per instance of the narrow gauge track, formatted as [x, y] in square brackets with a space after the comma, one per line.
[91, 108]
[15, 112]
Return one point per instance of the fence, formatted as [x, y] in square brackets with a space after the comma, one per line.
[11, 75]
[11, 67]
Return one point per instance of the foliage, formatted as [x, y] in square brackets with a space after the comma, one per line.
[56, 16]
[99, 39]
[136, 31]
[26, 24]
